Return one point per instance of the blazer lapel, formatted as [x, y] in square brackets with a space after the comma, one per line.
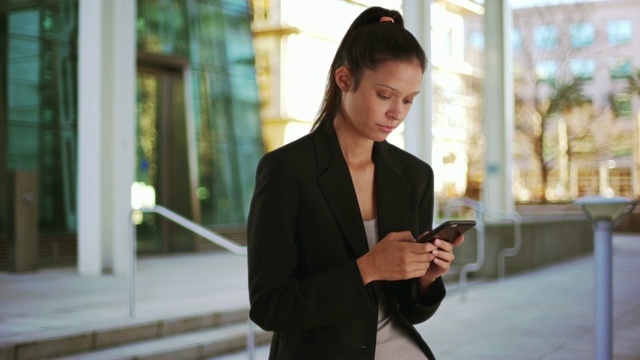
[393, 192]
[334, 180]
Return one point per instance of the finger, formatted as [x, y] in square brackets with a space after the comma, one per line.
[442, 264]
[400, 236]
[444, 255]
[422, 248]
[444, 245]
[458, 241]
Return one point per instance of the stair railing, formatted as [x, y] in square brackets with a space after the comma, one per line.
[196, 229]
[481, 212]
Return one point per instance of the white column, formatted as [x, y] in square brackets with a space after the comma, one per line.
[498, 107]
[417, 133]
[106, 133]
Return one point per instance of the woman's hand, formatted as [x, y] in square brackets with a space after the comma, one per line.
[396, 257]
[443, 257]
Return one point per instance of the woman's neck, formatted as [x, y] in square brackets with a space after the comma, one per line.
[356, 149]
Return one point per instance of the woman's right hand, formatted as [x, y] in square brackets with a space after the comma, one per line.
[396, 257]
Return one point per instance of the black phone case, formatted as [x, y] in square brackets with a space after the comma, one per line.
[448, 231]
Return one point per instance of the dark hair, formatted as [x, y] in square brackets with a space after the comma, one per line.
[367, 44]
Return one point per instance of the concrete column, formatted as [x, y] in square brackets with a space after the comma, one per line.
[418, 135]
[498, 107]
[106, 133]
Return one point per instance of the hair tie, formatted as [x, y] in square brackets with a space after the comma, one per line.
[387, 18]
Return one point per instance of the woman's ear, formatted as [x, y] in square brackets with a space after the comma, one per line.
[343, 78]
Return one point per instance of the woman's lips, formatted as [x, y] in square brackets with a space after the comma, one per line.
[386, 128]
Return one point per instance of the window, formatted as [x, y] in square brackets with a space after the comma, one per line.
[619, 32]
[546, 37]
[476, 39]
[38, 117]
[620, 181]
[583, 69]
[582, 35]
[546, 71]
[516, 40]
[621, 105]
[619, 67]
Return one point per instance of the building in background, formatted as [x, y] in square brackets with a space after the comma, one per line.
[119, 102]
[457, 81]
[577, 122]
[294, 49]
[295, 41]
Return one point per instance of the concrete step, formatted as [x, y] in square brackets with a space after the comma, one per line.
[231, 324]
[193, 345]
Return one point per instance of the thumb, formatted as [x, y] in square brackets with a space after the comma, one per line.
[401, 236]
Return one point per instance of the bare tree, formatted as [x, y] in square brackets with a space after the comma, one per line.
[555, 121]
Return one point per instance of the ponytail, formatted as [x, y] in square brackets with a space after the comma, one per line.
[376, 36]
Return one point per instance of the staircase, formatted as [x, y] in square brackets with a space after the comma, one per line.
[201, 336]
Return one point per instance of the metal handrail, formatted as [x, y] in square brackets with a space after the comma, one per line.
[481, 209]
[196, 229]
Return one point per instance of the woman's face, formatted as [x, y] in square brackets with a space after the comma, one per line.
[382, 100]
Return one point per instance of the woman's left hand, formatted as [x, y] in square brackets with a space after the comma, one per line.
[442, 258]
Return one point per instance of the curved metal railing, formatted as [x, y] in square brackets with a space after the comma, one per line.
[196, 229]
[482, 211]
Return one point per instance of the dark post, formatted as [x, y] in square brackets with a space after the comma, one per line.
[22, 230]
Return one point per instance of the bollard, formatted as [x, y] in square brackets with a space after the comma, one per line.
[604, 213]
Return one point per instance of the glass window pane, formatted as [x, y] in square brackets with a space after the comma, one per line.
[583, 69]
[476, 39]
[582, 35]
[546, 37]
[40, 114]
[161, 27]
[546, 71]
[621, 105]
[619, 67]
[619, 31]
[516, 40]
[229, 138]
[217, 39]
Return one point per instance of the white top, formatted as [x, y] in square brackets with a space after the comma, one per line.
[392, 342]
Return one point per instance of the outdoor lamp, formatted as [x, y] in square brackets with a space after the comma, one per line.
[604, 213]
[605, 208]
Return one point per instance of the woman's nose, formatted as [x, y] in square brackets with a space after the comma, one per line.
[396, 111]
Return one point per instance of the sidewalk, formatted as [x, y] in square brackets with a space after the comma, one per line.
[53, 299]
[543, 314]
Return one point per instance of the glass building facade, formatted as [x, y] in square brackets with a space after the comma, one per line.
[198, 137]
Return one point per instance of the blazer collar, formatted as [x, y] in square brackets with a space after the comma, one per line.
[334, 179]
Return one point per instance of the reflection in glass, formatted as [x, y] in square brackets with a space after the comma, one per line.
[215, 37]
[39, 119]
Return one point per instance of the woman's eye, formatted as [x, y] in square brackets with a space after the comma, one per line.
[408, 102]
[384, 97]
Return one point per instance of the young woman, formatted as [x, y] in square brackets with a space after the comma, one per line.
[334, 268]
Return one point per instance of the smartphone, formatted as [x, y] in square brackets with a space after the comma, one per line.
[447, 231]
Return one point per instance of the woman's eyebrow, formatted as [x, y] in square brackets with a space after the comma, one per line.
[396, 90]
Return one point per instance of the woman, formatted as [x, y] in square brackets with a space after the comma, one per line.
[319, 275]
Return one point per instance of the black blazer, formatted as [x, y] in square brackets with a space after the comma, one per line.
[305, 232]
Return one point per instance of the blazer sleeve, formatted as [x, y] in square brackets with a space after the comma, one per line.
[416, 308]
[281, 299]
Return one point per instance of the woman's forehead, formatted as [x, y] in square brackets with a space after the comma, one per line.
[405, 76]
